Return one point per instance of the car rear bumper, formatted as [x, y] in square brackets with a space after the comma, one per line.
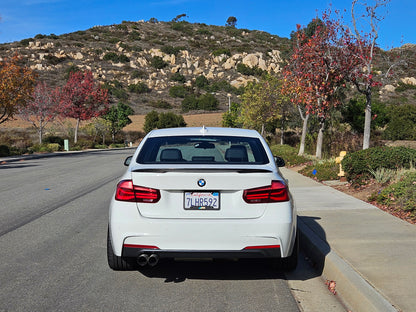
[135, 252]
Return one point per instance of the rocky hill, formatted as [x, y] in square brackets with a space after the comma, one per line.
[140, 61]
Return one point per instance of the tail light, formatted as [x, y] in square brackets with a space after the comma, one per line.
[126, 191]
[276, 192]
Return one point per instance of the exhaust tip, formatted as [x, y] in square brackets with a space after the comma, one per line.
[153, 259]
[143, 259]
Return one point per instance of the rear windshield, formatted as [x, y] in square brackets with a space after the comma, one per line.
[203, 150]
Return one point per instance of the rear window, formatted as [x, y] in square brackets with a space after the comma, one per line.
[203, 150]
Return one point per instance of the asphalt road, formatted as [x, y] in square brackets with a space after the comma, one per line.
[53, 225]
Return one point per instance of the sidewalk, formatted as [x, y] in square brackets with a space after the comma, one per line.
[370, 254]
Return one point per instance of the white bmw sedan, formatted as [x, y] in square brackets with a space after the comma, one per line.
[202, 193]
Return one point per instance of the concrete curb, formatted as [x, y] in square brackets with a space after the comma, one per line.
[355, 292]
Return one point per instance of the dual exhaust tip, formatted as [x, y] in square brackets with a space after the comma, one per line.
[145, 259]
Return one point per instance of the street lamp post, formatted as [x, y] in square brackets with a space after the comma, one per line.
[229, 102]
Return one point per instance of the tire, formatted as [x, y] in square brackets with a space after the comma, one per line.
[290, 263]
[115, 262]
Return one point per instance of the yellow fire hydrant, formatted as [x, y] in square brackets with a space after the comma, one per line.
[338, 160]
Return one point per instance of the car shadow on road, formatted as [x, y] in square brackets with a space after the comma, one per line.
[180, 270]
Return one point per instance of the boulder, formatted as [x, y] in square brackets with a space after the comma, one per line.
[409, 80]
[251, 60]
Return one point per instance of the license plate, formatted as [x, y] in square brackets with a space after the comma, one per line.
[202, 200]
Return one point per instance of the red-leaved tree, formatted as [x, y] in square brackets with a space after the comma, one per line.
[42, 108]
[82, 98]
[316, 72]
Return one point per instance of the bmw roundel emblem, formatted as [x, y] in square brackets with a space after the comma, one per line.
[201, 182]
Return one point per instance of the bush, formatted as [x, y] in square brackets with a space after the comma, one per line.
[201, 81]
[289, 154]
[178, 91]
[190, 102]
[114, 57]
[208, 102]
[357, 165]
[178, 77]
[4, 151]
[402, 125]
[171, 50]
[245, 70]
[401, 194]
[158, 63]
[322, 171]
[54, 139]
[154, 120]
[140, 88]
[221, 51]
[161, 104]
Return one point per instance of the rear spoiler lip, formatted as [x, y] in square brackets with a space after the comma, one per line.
[237, 170]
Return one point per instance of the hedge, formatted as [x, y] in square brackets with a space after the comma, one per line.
[357, 165]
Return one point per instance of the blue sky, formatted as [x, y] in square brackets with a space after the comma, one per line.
[22, 19]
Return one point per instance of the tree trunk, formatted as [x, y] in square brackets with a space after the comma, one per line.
[320, 139]
[76, 132]
[262, 130]
[304, 131]
[367, 123]
[40, 131]
[282, 131]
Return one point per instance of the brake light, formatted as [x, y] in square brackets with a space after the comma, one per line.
[276, 192]
[126, 191]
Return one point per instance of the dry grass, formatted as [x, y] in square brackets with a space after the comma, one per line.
[197, 120]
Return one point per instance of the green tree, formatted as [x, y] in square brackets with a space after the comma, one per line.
[118, 117]
[150, 121]
[262, 103]
[402, 125]
[170, 120]
[352, 113]
[154, 120]
[230, 118]
[231, 21]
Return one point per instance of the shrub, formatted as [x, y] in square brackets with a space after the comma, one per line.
[190, 102]
[140, 88]
[54, 139]
[201, 81]
[171, 50]
[289, 154]
[182, 26]
[4, 151]
[404, 86]
[357, 165]
[158, 63]
[402, 125]
[178, 91]
[208, 102]
[114, 57]
[401, 194]
[178, 77]
[322, 171]
[221, 51]
[162, 104]
[138, 74]
[245, 70]
[154, 120]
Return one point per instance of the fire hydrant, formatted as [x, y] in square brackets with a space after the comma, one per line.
[338, 160]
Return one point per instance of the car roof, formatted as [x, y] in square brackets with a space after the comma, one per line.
[204, 131]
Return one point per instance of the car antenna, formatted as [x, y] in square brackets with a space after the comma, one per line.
[204, 130]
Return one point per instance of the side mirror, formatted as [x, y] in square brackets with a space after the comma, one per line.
[279, 161]
[127, 161]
